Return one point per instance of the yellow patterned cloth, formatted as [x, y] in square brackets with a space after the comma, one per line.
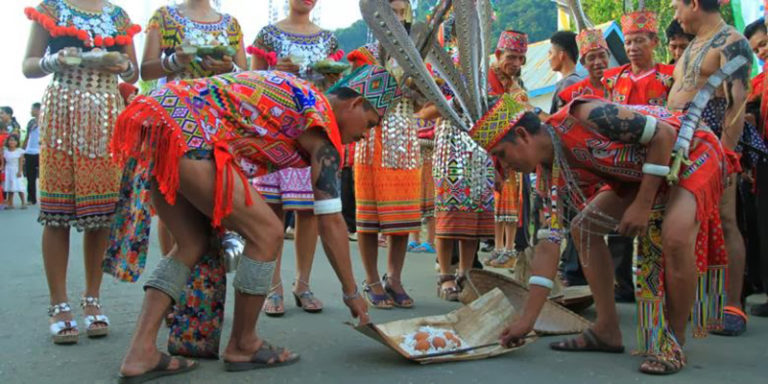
[176, 29]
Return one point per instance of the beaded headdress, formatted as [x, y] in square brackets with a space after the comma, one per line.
[589, 40]
[498, 121]
[513, 41]
[375, 84]
[639, 21]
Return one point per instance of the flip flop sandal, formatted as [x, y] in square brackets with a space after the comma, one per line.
[592, 344]
[670, 365]
[401, 299]
[375, 300]
[160, 370]
[266, 357]
[734, 322]
[412, 246]
[428, 248]
[58, 328]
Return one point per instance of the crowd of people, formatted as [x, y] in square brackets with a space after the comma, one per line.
[225, 148]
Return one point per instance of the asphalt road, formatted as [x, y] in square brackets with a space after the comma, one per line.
[330, 351]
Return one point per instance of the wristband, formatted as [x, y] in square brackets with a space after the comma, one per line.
[50, 63]
[649, 130]
[128, 72]
[541, 282]
[327, 207]
[655, 170]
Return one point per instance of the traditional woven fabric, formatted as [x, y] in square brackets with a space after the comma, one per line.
[621, 163]
[639, 22]
[510, 40]
[387, 200]
[304, 50]
[651, 88]
[464, 178]
[78, 181]
[507, 202]
[375, 84]
[70, 26]
[290, 188]
[497, 122]
[365, 55]
[427, 181]
[589, 40]
[175, 29]
[247, 122]
[582, 88]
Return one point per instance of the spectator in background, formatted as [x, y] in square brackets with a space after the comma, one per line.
[754, 188]
[8, 121]
[563, 56]
[677, 40]
[32, 154]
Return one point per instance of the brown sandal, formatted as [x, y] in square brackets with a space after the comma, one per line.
[160, 370]
[267, 356]
[591, 344]
[669, 365]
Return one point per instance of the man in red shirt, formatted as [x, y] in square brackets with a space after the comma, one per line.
[595, 58]
[642, 81]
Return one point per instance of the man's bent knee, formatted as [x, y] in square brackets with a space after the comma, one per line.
[170, 277]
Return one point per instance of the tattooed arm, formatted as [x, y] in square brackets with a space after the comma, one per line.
[627, 126]
[326, 165]
[737, 88]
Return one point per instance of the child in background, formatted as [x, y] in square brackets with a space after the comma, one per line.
[13, 163]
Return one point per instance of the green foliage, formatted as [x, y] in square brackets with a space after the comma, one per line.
[602, 11]
[538, 18]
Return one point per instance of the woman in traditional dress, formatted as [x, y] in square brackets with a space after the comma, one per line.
[173, 35]
[78, 180]
[387, 185]
[292, 45]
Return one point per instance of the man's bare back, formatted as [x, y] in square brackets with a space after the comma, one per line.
[708, 52]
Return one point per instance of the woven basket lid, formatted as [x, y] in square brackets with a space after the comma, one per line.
[554, 318]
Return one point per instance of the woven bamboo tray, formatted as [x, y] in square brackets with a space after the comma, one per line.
[479, 323]
[554, 318]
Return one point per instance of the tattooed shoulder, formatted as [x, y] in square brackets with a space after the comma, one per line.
[735, 48]
[327, 158]
[616, 123]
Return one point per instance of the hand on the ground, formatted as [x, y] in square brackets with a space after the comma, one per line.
[514, 335]
[286, 65]
[225, 65]
[359, 309]
[635, 220]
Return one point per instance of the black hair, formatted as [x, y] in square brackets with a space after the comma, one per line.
[706, 5]
[676, 30]
[566, 40]
[530, 121]
[12, 136]
[8, 110]
[345, 93]
[755, 27]
[36, 105]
